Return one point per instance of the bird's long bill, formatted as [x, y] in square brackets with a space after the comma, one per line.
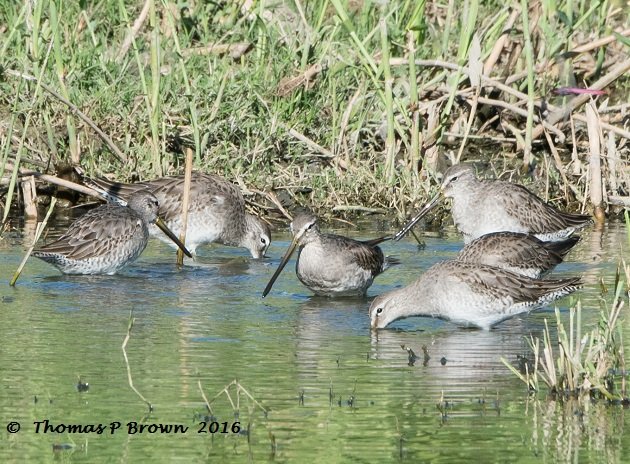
[172, 236]
[283, 262]
[422, 213]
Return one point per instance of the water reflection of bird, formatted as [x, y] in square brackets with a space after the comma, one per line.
[485, 206]
[461, 348]
[332, 265]
[468, 294]
[520, 253]
[107, 238]
[216, 212]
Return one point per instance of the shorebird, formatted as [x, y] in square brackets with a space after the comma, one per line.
[484, 206]
[332, 265]
[468, 294]
[519, 253]
[107, 238]
[216, 212]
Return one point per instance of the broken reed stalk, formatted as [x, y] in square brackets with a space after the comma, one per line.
[38, 232]
[239, 388]
[62, 183]
[124, 350]
[205, 398]
[185, 203]
[593, 128]
[29, 197]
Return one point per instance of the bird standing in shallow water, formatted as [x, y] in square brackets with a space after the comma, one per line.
[332, 265]
[107, 238]
[216, 212]
[520, 253]
[482, 207]
[468, 294]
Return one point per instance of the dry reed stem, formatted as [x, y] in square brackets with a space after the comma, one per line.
[38, 232]
[592, 123]
[612, 155]
[133, 32]
[345, 120]
[29, 197]
[557, 161]
[559, 114]
[587, 47]
[272, 197]
[205, 398]
[495, 54]
[476, 70]
[62, 183]
[239, 388]
[324, 152]
[521, 112]
[185, 204]
[129, 376]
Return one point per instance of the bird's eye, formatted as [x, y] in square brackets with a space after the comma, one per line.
[379, 310]
[263, 240]
[453, 179]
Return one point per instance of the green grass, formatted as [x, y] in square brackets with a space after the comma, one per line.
[582, 364]
[385, 122]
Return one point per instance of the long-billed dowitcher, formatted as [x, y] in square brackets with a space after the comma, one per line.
[216, 212]
[520, 253]
[332, 265]
[468, 294]
[484, 206]
[107, 238]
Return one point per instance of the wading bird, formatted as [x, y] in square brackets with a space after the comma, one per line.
[107, 238]
[216, 212]
[482, 207]
[332, 265]
[468, 294]
[520, 253]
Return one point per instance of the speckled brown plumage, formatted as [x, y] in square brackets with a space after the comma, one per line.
[482, 207]
[216, 212]
[332, 265]
[520, 253]
[105, 239]
[468, 294]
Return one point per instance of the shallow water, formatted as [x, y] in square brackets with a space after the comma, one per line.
[332, 391]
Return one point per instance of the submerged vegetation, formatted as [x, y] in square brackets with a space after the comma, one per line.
[344, 106]
[582, 364]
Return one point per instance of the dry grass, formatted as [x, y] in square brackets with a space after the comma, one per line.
[319, 103]
[581, 364]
